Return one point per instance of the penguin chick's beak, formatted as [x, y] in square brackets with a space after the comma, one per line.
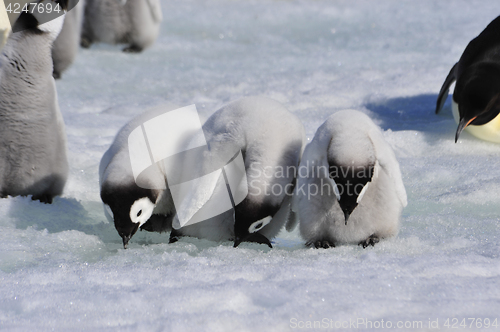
[253, 237]
[126, 237]
[462, 125]
[347, 214]
[125, 241]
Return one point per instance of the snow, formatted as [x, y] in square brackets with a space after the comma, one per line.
[63, 267]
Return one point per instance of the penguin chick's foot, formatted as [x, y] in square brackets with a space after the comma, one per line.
[43, 198]
[85, 42]
[133, 49]
[174, 236]
[321, 244]
[370, 241]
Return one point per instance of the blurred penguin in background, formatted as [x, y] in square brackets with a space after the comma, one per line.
[65, 47]
[132, 22]
[32, 135]
[349, 188]
[476, 99]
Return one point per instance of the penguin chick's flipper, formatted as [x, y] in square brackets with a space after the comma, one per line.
[133, 49]
[445, 89]
[253, 237]
[371, 241]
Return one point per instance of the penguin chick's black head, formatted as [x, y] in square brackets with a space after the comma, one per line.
[477, 94]
[130, 208]
[352, 182]
[249, 220]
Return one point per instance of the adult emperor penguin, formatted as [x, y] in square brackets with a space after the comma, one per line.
[476, 102]
[349, 187]
[270, 140]
[66, 45]
[133, 22]
[32, 136]
[126, 204]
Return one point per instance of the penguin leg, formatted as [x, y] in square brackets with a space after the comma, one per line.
[175, 235]
[370, 241]
[132, 49]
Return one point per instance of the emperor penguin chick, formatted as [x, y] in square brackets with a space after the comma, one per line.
[270, 140]
[349, 188]
[126, 204]
[32, 135]
[66, 45]
[133, 22]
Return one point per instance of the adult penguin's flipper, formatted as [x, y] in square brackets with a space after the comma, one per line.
[443, 94]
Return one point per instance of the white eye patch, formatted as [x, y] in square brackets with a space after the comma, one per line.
[141, 210]
[258, 225]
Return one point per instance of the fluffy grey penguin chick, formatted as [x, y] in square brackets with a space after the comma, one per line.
[349, 188]
[66, 45]
[127, 205]
[133, 22]
[271, 140]
[32, 136]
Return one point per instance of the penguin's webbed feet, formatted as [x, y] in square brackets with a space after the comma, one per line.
[370, 241]
[321, 244]
[85, 42]
[43, 198]
[132, 49]
[174, 236]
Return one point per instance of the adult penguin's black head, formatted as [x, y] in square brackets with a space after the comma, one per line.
[477, 94]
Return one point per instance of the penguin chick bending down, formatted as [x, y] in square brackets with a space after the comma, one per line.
[349, 188]
[32, 135]
[67, 43]
[133, 22]
[271, 140]
[126, 204]
[476, 99]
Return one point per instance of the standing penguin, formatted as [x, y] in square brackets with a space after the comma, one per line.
[270, 140]
[126, 204]
[476, 99]
[66, 45]
[349, 188]
[32, 136]
[133, 22]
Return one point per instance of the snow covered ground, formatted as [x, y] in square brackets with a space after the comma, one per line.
[62, 266]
